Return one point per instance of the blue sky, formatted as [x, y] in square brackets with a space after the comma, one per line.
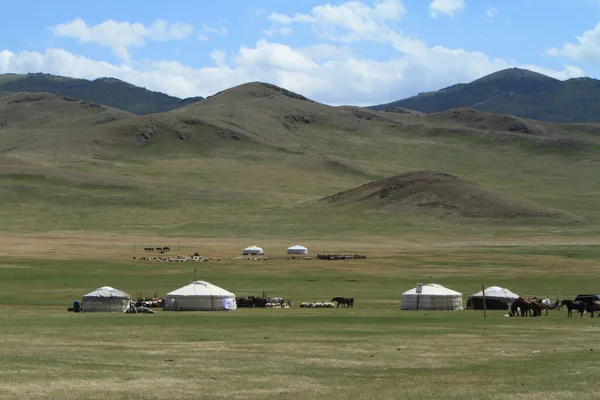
[337, 52]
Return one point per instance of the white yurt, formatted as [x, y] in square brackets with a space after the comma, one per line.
[105, 299]
[297, 249]
[252, 250]
[431, 296]
[200, 296]
[496, 298]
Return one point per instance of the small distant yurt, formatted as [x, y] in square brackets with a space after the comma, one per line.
[496, 298]
[431, 296]
[297, 249]
[200, 296]
[105, 299]
[252, 250]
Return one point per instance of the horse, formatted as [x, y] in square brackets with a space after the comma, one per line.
[351, 302]
[547, 304]
[591, 306]
[340, 300]
[573, 305]
[521, 304]
[536, 307]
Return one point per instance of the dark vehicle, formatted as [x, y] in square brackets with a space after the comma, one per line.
[587, 297]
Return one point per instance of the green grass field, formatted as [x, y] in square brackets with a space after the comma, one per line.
[371, 351]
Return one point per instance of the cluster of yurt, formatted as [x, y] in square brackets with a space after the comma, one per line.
[433, 296]
[197, 296]
[257, 251]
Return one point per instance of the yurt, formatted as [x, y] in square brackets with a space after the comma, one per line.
[297, 249]
[105, 299]
[252, 250]
[200, 296]
[431, 296]
[496, 298]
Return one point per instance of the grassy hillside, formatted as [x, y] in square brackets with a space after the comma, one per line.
[515, 92]
[107, 91]
[254, 161]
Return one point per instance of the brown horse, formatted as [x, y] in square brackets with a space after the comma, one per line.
[536, 307]
[343, 301]
[519, 304]
[573, 305]
[591, 306]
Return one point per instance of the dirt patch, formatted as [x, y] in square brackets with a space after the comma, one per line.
[439, 192]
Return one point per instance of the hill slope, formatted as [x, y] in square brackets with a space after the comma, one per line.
[432, 191]
[107, 91]
[516, 92]
[255, 159]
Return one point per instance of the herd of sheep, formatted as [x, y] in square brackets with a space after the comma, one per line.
[318, 304]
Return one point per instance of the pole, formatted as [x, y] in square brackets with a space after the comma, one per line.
[194, 274]
[483, 295]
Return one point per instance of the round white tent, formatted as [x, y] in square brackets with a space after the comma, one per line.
[252, 250]
[105, 299]
[200, 296]
[297, 249]
[431, 296]
[496, 298]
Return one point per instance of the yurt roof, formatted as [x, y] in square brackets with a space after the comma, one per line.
[107, 291]
[253, 247]
[297, 247]
[496, 291]
[200, 288]
[434, 289]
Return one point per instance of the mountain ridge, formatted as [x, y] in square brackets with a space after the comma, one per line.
[514, 91]
[107, 91]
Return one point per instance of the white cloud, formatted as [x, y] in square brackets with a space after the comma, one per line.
[218, 56]
[326, 73]
[207, 30]
[281, 31]
[586, 48]
[120, 36]
[447, 7]
[492, 12]
[568, 72]
[349, 22]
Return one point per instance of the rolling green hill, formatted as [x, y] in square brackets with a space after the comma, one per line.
[107, 91]
[516, 92]
[255, 160]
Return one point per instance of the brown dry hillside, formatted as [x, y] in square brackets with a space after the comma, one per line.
[439, 192]
[270, 114]
[504, 128]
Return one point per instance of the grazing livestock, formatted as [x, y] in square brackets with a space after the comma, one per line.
[548, 304]
[343, 301]
[592, 306]
[573, 305]
[317, 304]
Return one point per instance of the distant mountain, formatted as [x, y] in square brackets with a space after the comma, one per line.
[517, 92]
[107, 91]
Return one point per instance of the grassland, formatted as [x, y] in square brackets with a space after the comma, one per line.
[372, 351]
[82, 192]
